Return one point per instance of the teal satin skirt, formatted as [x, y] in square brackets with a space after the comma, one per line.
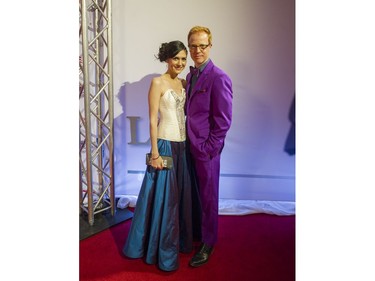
[162, 222]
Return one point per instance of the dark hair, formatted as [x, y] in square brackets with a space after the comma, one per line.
[169, 50]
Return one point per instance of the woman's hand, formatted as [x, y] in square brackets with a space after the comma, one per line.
[157, 163]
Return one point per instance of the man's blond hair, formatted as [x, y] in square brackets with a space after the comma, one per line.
[198, 28]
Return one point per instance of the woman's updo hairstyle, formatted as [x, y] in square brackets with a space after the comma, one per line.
[169, 50]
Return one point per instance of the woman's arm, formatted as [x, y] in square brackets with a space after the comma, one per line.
[153, 107]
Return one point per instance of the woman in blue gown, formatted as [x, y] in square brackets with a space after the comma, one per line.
[162, 222]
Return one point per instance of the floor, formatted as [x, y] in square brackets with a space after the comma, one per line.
[102, 221]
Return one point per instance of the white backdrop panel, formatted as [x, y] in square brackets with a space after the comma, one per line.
[254, 42]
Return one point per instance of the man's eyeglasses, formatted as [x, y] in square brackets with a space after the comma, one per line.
[201, 47]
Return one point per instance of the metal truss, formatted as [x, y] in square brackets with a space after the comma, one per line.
[96, 183]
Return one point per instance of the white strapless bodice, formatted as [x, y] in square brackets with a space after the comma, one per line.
[172, 116]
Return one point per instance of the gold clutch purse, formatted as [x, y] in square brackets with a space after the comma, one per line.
[167, 161]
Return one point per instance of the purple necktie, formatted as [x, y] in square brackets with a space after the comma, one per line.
[194, 71]
[194, 76]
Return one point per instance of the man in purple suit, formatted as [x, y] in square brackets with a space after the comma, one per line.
[208, 119]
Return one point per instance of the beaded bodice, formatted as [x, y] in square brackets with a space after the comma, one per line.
[172, 116]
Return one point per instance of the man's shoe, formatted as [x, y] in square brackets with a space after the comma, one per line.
[202, 256]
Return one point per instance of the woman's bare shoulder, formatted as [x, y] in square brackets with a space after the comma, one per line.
[157, 80]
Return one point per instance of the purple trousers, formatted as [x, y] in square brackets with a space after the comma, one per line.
[207, 176]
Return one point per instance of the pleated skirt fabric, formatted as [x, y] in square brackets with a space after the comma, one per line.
[162, 221]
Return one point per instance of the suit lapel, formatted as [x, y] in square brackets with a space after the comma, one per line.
[202, 78]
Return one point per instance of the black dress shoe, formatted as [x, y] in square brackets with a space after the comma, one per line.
[202, 256]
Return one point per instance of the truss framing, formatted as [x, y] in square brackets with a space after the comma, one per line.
[96, 182]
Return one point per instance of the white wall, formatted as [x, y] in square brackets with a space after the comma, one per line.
[253, 41]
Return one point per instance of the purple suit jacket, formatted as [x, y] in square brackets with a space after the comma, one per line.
[209, 112]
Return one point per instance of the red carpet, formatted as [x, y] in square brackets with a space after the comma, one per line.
[257, 247]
